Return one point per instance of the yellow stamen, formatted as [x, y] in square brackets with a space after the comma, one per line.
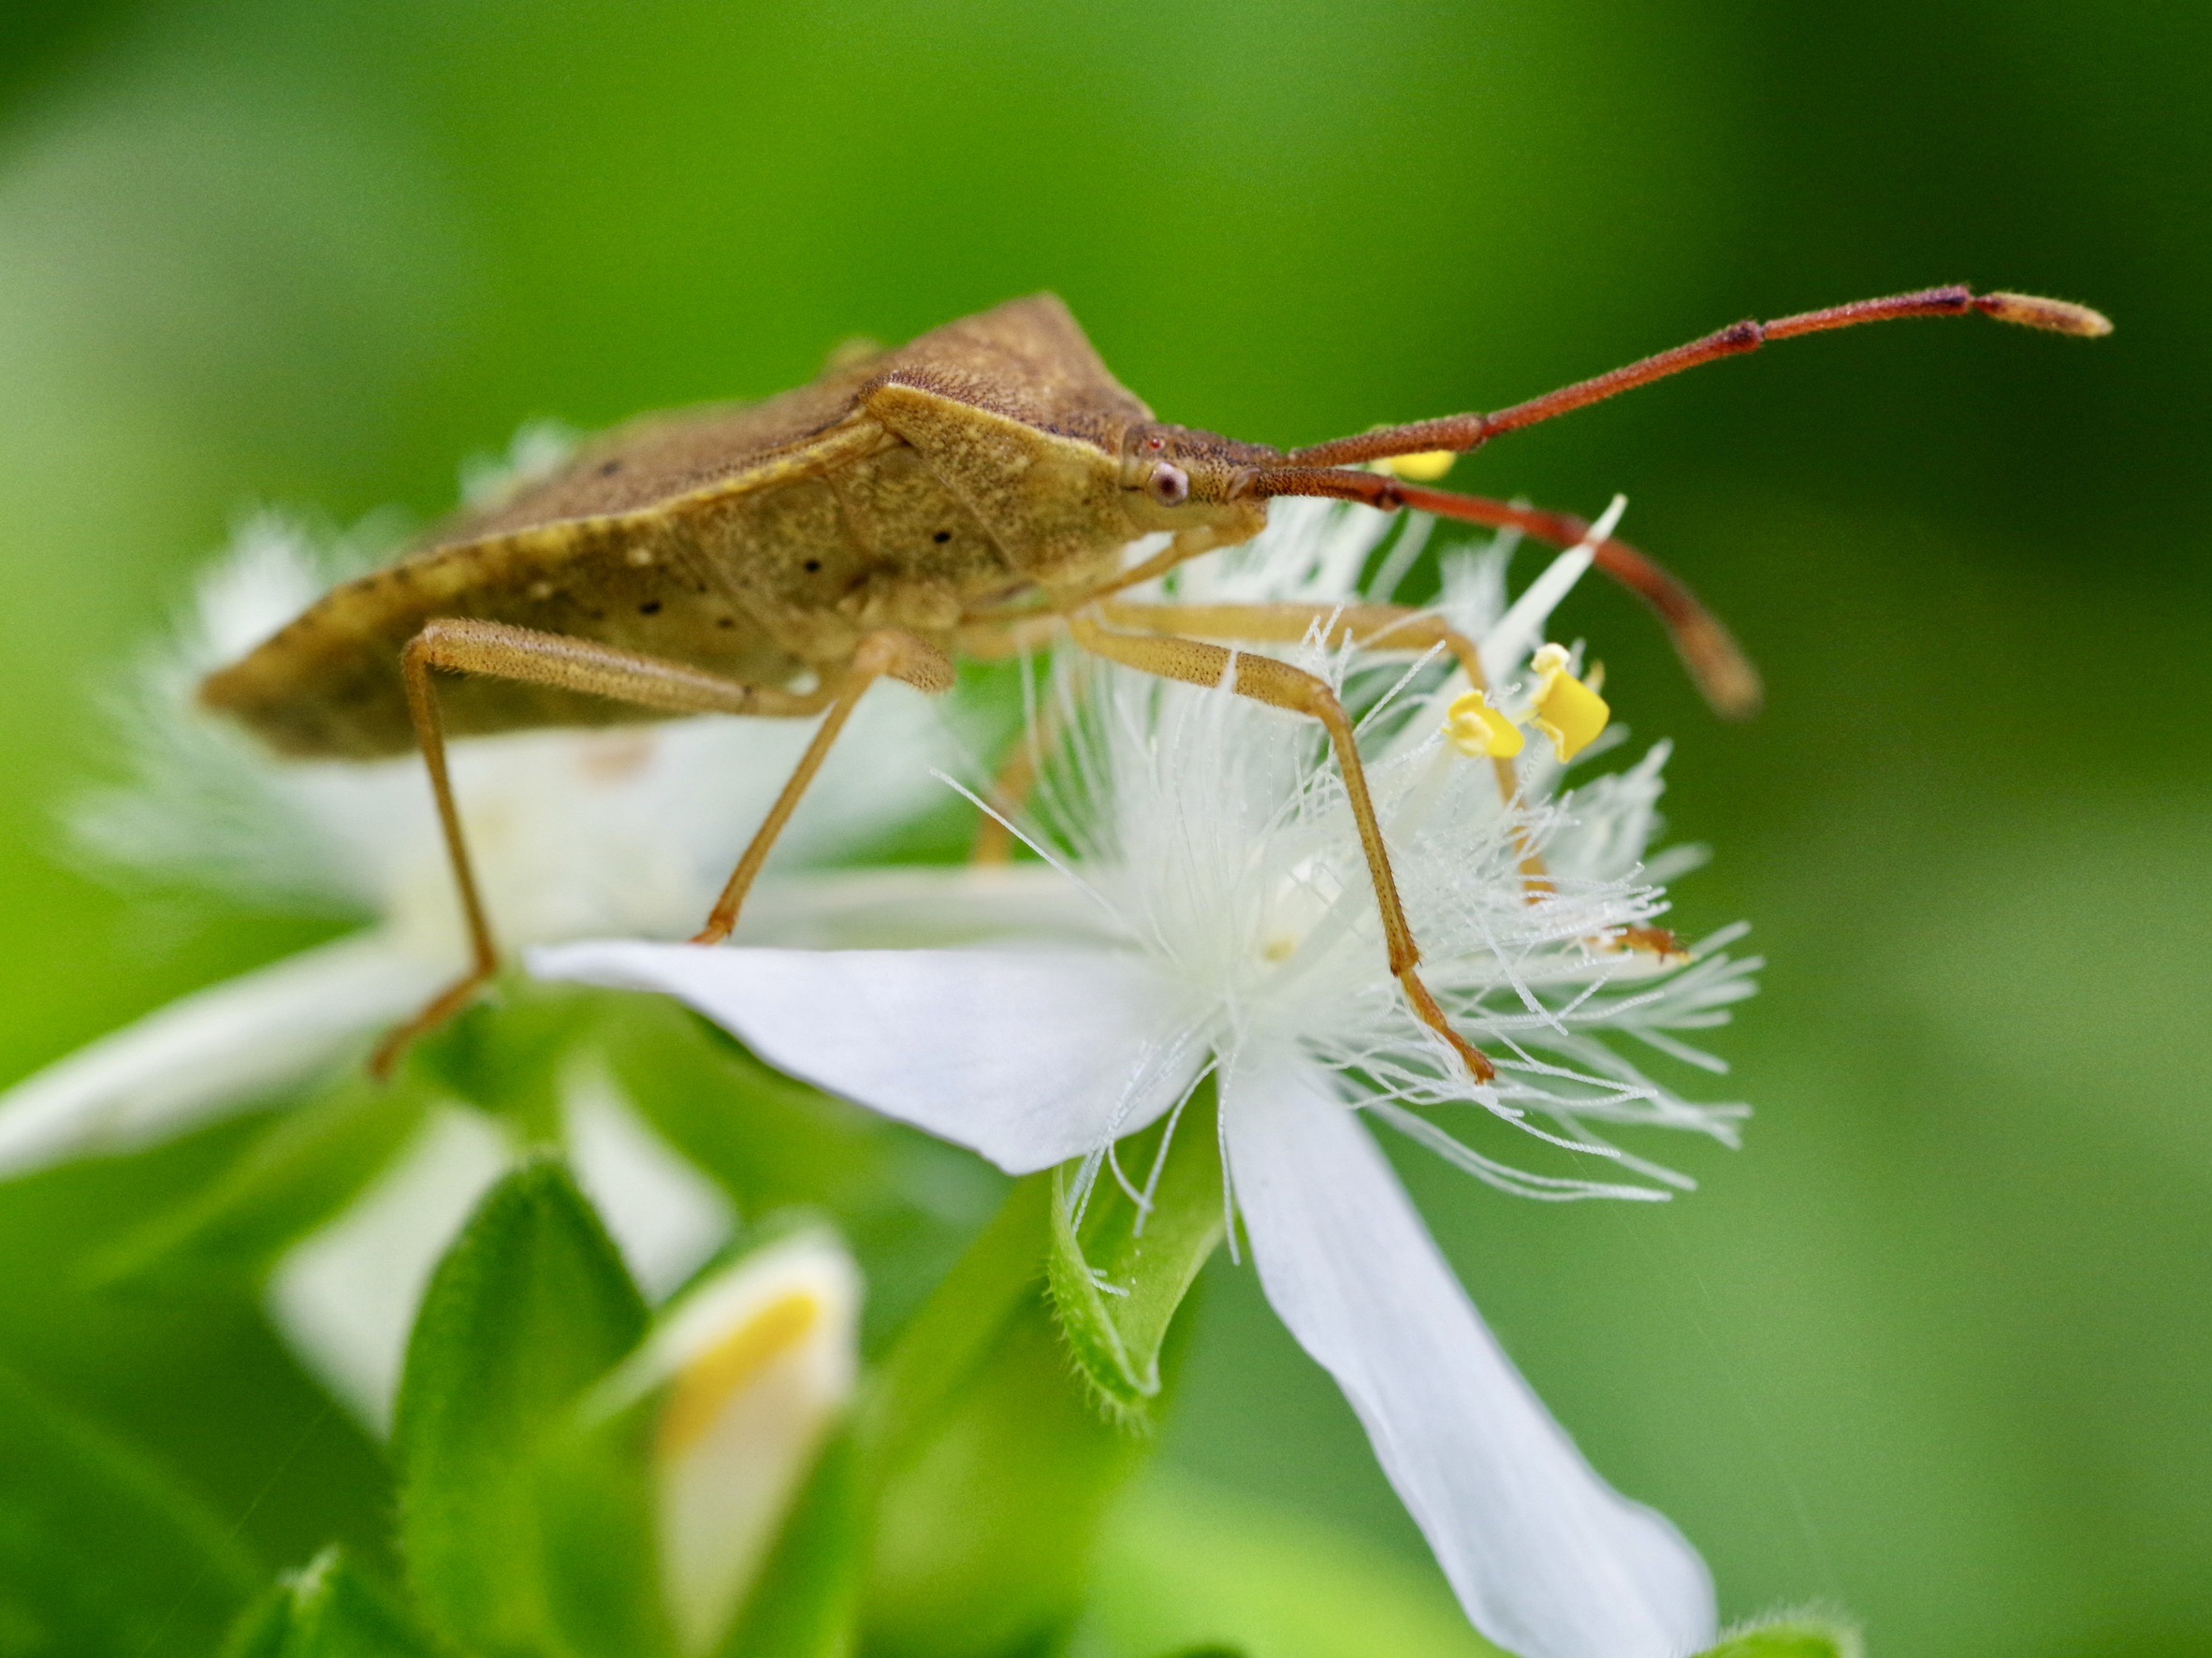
[1424, 468]
[1568, 711]
[705, 1385]
[1479, 731]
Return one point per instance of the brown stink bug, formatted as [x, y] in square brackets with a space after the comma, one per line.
[969, 494]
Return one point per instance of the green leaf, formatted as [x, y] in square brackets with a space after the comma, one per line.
[529, 1308]
[771, 1141]
[329, 1609]
[1186, 1567]
[102, 1551]
[262, 1628]
[1795, 1636]
[1118, 1276]
[304, 1167]
[806, 1601]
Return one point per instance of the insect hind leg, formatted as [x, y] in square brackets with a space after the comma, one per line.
[501, 651]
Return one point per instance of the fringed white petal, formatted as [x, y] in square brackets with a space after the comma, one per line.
[1029, 1056]
[1548, 1561]
[211, 1053]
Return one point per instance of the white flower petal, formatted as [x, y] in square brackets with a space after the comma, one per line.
[1029, 1056]
[344, 1298]
[1548, 1560]
[215, 1050]
[922, 906]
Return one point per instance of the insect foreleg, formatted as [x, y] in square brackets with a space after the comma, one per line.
[900, 655]
[496, 649]
[1382, 626]
[1282, 686]
[1377, 627]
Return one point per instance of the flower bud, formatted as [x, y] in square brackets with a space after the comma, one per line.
[757, 1362]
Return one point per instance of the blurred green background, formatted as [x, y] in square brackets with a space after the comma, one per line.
[1938, 1345]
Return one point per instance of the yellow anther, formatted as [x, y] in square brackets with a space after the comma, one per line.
[1568, 711]
[1424, 468]
[1478, 730]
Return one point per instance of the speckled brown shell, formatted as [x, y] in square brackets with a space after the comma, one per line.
[759, 542]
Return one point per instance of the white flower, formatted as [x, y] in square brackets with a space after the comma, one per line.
[576, 834]
[1230, 927]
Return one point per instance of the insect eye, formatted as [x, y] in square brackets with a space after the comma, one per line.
[1169, 485]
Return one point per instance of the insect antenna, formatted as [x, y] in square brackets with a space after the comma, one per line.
[1459, 433]
[1716, 663]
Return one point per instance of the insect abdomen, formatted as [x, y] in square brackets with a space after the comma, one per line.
[328, 685]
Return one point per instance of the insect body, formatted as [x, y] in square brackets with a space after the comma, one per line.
[966, 494]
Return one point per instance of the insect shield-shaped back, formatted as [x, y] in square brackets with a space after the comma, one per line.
[761, 543]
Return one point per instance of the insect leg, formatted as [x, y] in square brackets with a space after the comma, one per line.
[901, 656]
[498, 650]
[1389, 628]
[1383, 627]
[1187, 545]
[1282, 686]
[1010, 788]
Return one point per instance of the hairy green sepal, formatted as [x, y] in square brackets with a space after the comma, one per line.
[1119, 1271]
[1791, 1637]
